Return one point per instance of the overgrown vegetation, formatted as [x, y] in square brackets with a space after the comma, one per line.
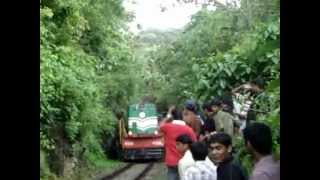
[85, 49]
[92, 68]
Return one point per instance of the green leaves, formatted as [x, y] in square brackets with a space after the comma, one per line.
[228, 71]
[273, 85]
[222, 84]
[272, 30]
[45, 142]
[46, 12]
[84, 52]
[195, 68]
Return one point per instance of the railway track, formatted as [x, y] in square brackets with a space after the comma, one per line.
[132, 171]
[144, 172]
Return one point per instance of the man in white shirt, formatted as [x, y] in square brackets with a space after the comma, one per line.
[201, 169]
[183, 143]
[211, 163]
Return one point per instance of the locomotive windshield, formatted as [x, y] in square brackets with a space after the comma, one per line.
[143, 119]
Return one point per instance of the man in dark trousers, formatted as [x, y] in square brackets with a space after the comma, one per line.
[220, 152]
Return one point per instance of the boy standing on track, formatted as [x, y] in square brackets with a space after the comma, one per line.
[183, 146]
[201, 169]
[172, 127]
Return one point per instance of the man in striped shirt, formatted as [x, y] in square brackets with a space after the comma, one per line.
[201, 170]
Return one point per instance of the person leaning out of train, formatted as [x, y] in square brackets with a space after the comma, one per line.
[172, 127]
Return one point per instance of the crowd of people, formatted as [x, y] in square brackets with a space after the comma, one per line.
[201, 146]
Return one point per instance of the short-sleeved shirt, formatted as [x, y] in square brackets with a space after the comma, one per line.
[171, 131]
[266, 169]
[184, 163]
[224, 122]
[201, 170]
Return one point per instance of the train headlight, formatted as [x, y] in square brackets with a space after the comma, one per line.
[130, 133]
[128, 143]
[158, 143]
[156, 132]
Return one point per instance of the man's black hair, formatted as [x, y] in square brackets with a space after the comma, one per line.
[227, 99]
[184, 139]
[260, 137]
[259, 82]
[176, 114]
[199, 151]
[215, 102]
[221, 138]
[119, 114]
[206, 106]
[191, 106]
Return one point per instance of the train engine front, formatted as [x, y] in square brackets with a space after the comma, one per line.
[143, 140]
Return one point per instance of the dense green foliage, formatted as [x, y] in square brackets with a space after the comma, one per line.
[92, 68]
[84, 51]
[153, 82]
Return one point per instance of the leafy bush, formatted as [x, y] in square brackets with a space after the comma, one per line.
[84, 50]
